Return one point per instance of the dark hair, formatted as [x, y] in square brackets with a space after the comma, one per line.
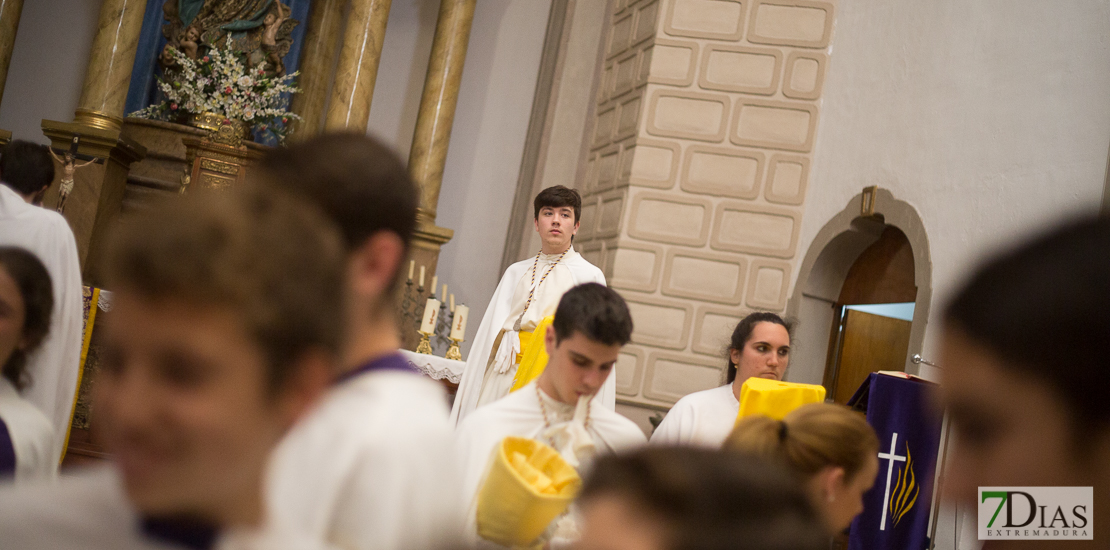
[809, 438]
[273, 261]
[34, 284]
[26, 167]
[711, 499]
[743, 332]
[355, 179]
[1054, 288]
[596, 311]
[556, 197]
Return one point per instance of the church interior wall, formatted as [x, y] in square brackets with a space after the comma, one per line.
[697, 175]
[990, 133]
[49, 57]
[998, 129]
[487, 139]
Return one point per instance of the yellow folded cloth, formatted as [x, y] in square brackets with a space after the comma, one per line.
[533, 354]
[528, 486]
[775, 398]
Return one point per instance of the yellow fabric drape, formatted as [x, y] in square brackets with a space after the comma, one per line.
[775, 398]
[91, 297]
[533, 354]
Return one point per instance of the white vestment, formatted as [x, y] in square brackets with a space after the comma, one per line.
[703, 418]
[30, 434]
[89, 511]
[372, 467]
[53, 369]
[520, 414]
[482, 380]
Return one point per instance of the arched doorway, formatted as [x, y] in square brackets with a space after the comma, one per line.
[870, 329]
[875, 251]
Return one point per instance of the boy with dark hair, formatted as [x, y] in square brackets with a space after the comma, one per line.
[371, 468]
[26, 171]
[225, 322]
[591, 325]
[522, 305]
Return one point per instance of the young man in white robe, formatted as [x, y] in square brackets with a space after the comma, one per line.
[529, 291]
[372, 467]
[26, 171]
[225, 322]
[591, 325]
[760, 346]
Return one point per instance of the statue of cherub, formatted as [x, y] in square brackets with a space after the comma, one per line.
[69, 167]
[271, 25]
[188, 43]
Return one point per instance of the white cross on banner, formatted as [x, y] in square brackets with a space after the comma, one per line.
[892, 456]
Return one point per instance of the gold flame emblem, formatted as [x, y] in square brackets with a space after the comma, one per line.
[906, 489]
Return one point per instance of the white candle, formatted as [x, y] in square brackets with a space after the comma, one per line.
[412, 265]
[444, 295]
[431, 313]
[435, 279]
[458, 323]
[452, 302]
[421, 276]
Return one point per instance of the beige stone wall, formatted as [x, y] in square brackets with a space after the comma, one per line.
[697, 174]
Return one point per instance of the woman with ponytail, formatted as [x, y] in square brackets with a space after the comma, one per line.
[830, 448]
[760, 347]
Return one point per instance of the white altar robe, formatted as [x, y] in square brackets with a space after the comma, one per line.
[54, 367]
[519, 414]
[372, 467]
[504, 309]
[89, 511]
[32, 436]
[703, 418]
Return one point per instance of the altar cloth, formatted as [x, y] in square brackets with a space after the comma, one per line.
[435, 367]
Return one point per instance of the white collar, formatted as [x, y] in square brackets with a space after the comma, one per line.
[550, 258]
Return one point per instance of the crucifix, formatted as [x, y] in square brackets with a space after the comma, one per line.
[69, 167]
[893, 457]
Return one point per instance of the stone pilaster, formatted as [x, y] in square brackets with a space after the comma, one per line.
[325, 21]
[358, 65]
[93, 207]
[697, 174]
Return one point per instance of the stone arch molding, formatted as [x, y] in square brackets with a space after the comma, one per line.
[833, 251]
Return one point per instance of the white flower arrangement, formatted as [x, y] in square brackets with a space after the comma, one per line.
[221, 83]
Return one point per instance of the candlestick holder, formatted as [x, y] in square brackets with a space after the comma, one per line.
[425, 345]
[453, 352]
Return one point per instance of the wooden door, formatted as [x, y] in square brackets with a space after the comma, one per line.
[868, 343]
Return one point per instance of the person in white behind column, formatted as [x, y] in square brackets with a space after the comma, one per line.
[372, 467]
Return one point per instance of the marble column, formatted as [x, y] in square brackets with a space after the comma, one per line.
[433, 131]
[93, 207]
[104, 92]
[317, 58]
[358, 65]
[437, 104]
[9, 23]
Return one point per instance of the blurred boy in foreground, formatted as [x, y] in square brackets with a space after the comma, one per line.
[225, 320]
